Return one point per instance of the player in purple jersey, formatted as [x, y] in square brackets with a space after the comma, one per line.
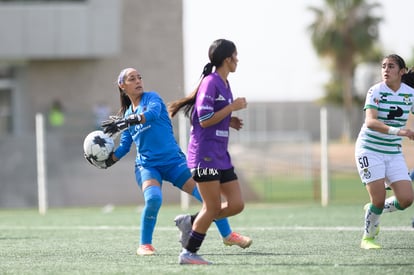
[143, 120]
[210, 107]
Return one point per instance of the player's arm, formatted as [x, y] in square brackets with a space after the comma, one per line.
[238, 104]
[117, 124]
[372, 122]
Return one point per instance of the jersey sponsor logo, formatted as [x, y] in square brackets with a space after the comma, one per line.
[222, 133]
[207, 96]
[206, 171]
[205, 107]
[395, 111]
[139, 128]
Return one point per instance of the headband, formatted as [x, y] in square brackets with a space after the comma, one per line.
[122, 75]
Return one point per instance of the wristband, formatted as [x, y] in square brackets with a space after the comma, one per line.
[393, 130]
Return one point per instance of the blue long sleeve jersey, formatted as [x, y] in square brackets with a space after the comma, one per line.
[154, 140]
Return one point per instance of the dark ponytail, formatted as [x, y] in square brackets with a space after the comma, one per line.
[123, 97]
[408, 78]
[219, 50]
[125, 102]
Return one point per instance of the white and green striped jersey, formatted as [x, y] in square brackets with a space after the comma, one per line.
[393, 109]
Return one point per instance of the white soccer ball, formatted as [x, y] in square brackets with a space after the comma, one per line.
[98, 145]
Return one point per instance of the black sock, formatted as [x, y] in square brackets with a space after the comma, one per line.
[195, 241]
[193, 217]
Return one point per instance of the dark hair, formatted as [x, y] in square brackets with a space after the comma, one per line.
[400, 61]
[408, 78]
[123, 97]
[125, 102]
[219, 50]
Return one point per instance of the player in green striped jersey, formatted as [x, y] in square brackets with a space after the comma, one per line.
[378, 152]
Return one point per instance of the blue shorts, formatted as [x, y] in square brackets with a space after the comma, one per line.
[175, 172]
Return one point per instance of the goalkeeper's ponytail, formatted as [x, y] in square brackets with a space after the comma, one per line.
[125, 102]
[123, 97]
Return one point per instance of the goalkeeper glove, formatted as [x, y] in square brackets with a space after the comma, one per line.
[101, 164]
[116, 124]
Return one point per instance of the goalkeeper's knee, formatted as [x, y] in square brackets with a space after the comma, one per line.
[153, 198]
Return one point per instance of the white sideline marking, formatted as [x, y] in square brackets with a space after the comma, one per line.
[173, 228]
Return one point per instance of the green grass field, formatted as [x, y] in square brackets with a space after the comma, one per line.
[287, 239]
[344, 188]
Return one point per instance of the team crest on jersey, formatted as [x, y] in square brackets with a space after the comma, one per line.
[367, 173]
[407, 99]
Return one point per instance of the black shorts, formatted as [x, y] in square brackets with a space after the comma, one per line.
[211, 174]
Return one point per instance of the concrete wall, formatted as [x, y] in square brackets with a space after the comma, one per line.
[65, 29]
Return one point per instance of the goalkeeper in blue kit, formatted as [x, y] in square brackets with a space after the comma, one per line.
[143, 119]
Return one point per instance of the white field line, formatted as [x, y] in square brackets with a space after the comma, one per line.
[173, 228]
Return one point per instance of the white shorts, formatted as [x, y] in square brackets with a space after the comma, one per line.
[373, 166]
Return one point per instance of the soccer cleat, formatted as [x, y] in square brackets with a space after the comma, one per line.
[183, 222]
[369, 243]
[145, 250]
[237, 239]
[186, 257]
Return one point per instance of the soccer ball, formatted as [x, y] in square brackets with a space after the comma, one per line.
[98, 146]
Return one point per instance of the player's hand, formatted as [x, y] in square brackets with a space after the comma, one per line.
[239, 103]
[236, 123]
[406, 133]
[94, 162]
[116, 124]
[101, 164]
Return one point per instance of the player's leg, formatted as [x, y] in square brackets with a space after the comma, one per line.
[373, 213]
[210, 192]
[371, 169]
[401, 185]
[184, 222]
[150, 182]
[180, 176]
[230, 189]
[403, 196]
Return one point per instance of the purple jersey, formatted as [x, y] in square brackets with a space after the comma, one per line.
[208, 146]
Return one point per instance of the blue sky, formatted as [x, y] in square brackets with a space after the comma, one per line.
[276, 59]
